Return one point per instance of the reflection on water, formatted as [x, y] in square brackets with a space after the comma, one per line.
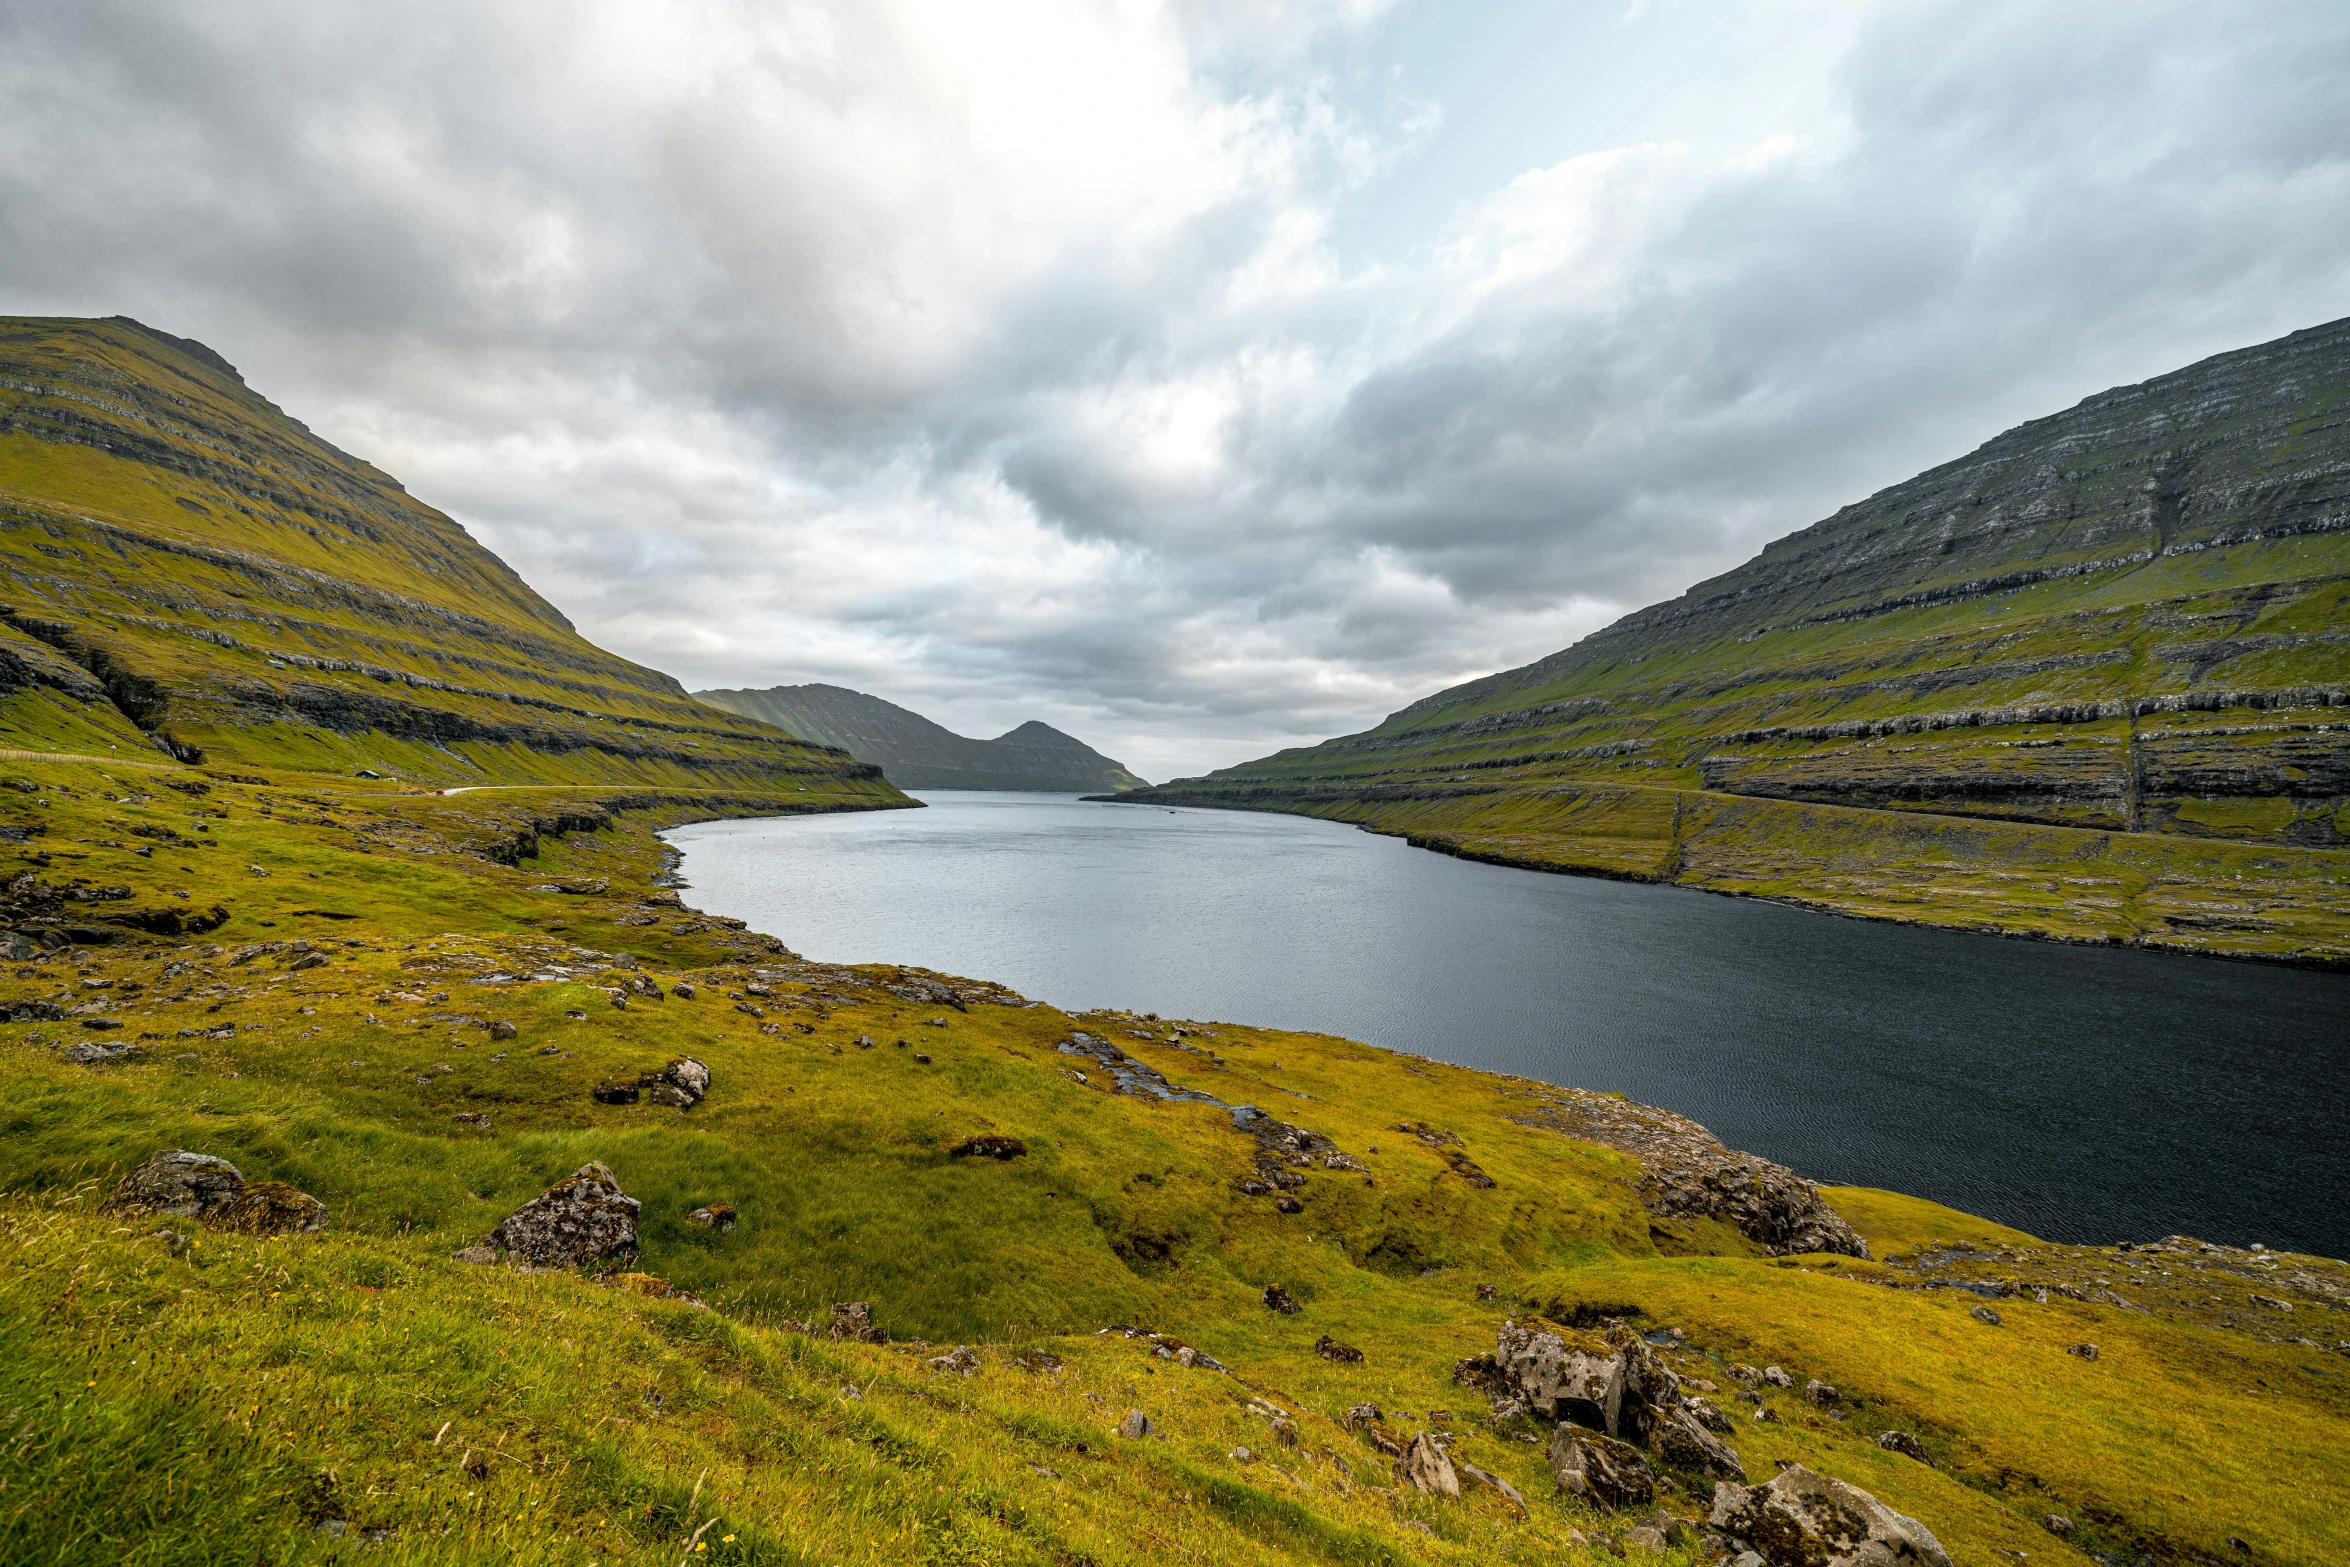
[2079, 1093]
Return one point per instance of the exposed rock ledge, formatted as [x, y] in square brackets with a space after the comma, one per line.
[1688, 1173]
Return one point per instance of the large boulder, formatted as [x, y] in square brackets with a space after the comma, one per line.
[1581, 1381]
[1425, 1468]
[174, 1181]
[1681, 1439]
[583, 1218]
[270, 1208]
[681, 1084]
[1802, 1519]
[1609, 1474]
[1651, 1391]
[1612, 1382]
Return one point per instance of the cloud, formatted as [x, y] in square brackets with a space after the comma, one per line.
[1001, 359]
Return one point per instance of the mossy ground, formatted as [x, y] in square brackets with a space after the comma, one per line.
[238, 1399]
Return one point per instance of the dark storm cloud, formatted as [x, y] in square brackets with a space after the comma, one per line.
[998, 359]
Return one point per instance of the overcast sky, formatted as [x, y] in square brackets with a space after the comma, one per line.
[1199, 378]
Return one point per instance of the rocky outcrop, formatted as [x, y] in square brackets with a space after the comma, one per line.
[175, 1181]
[210, 1190]
[1426, 1469]
[988, 1145]
[1687, 1172]
[1803, 1519]
[680, 1085]
[853, 1319]
[582, 1220]
[1576, 1378]
[1613, 1382]
[270, 1208]
[1608, 1474]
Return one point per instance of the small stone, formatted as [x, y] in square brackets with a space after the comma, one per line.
[1344, 1354]
[1821, 1393]
[1240, 1455]
[477, 1253]
[988, 1145]
[1984, 1314]
[1279, 1299]
[1906, 1445]
[683, 990]
[1709, 1414]
[1640, 1537]
[920, 1059]
[864, 1041]
[1777, 1377]
[2057, 1524]
[852, 1319]
[615, 1092]
[308, 961]
[1135, 1426]
[717, 1216]
[471, 1118]
[1485, 1292]
[502, 1029]
[2084, 1351]
[1288, 1204]
[1359, 1416]
[962, 1361]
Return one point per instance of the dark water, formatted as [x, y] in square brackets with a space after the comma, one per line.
[2081, 1094]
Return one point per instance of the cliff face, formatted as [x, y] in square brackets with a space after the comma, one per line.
[2131, 617]
[915, 753]
[192, 570]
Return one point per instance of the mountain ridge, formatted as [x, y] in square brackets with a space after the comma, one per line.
[915, 752]
[2037, 633]
[192, 570]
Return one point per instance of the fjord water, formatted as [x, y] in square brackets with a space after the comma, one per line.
[2083, 1094]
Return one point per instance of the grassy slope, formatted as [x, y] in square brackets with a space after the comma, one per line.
[1624, 766]
[2120, 629]
[222, 1402]
[187, 564]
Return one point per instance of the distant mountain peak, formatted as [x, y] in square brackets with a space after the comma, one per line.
[915, 752]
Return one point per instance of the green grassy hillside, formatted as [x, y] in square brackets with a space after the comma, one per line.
[233, 1398]
[193, 573]
[2121, 633]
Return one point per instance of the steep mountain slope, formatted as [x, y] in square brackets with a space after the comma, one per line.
[2130, 620]
[917, 754]
[191, 572]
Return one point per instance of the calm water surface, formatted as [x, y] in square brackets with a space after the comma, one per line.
[2081, 1094]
